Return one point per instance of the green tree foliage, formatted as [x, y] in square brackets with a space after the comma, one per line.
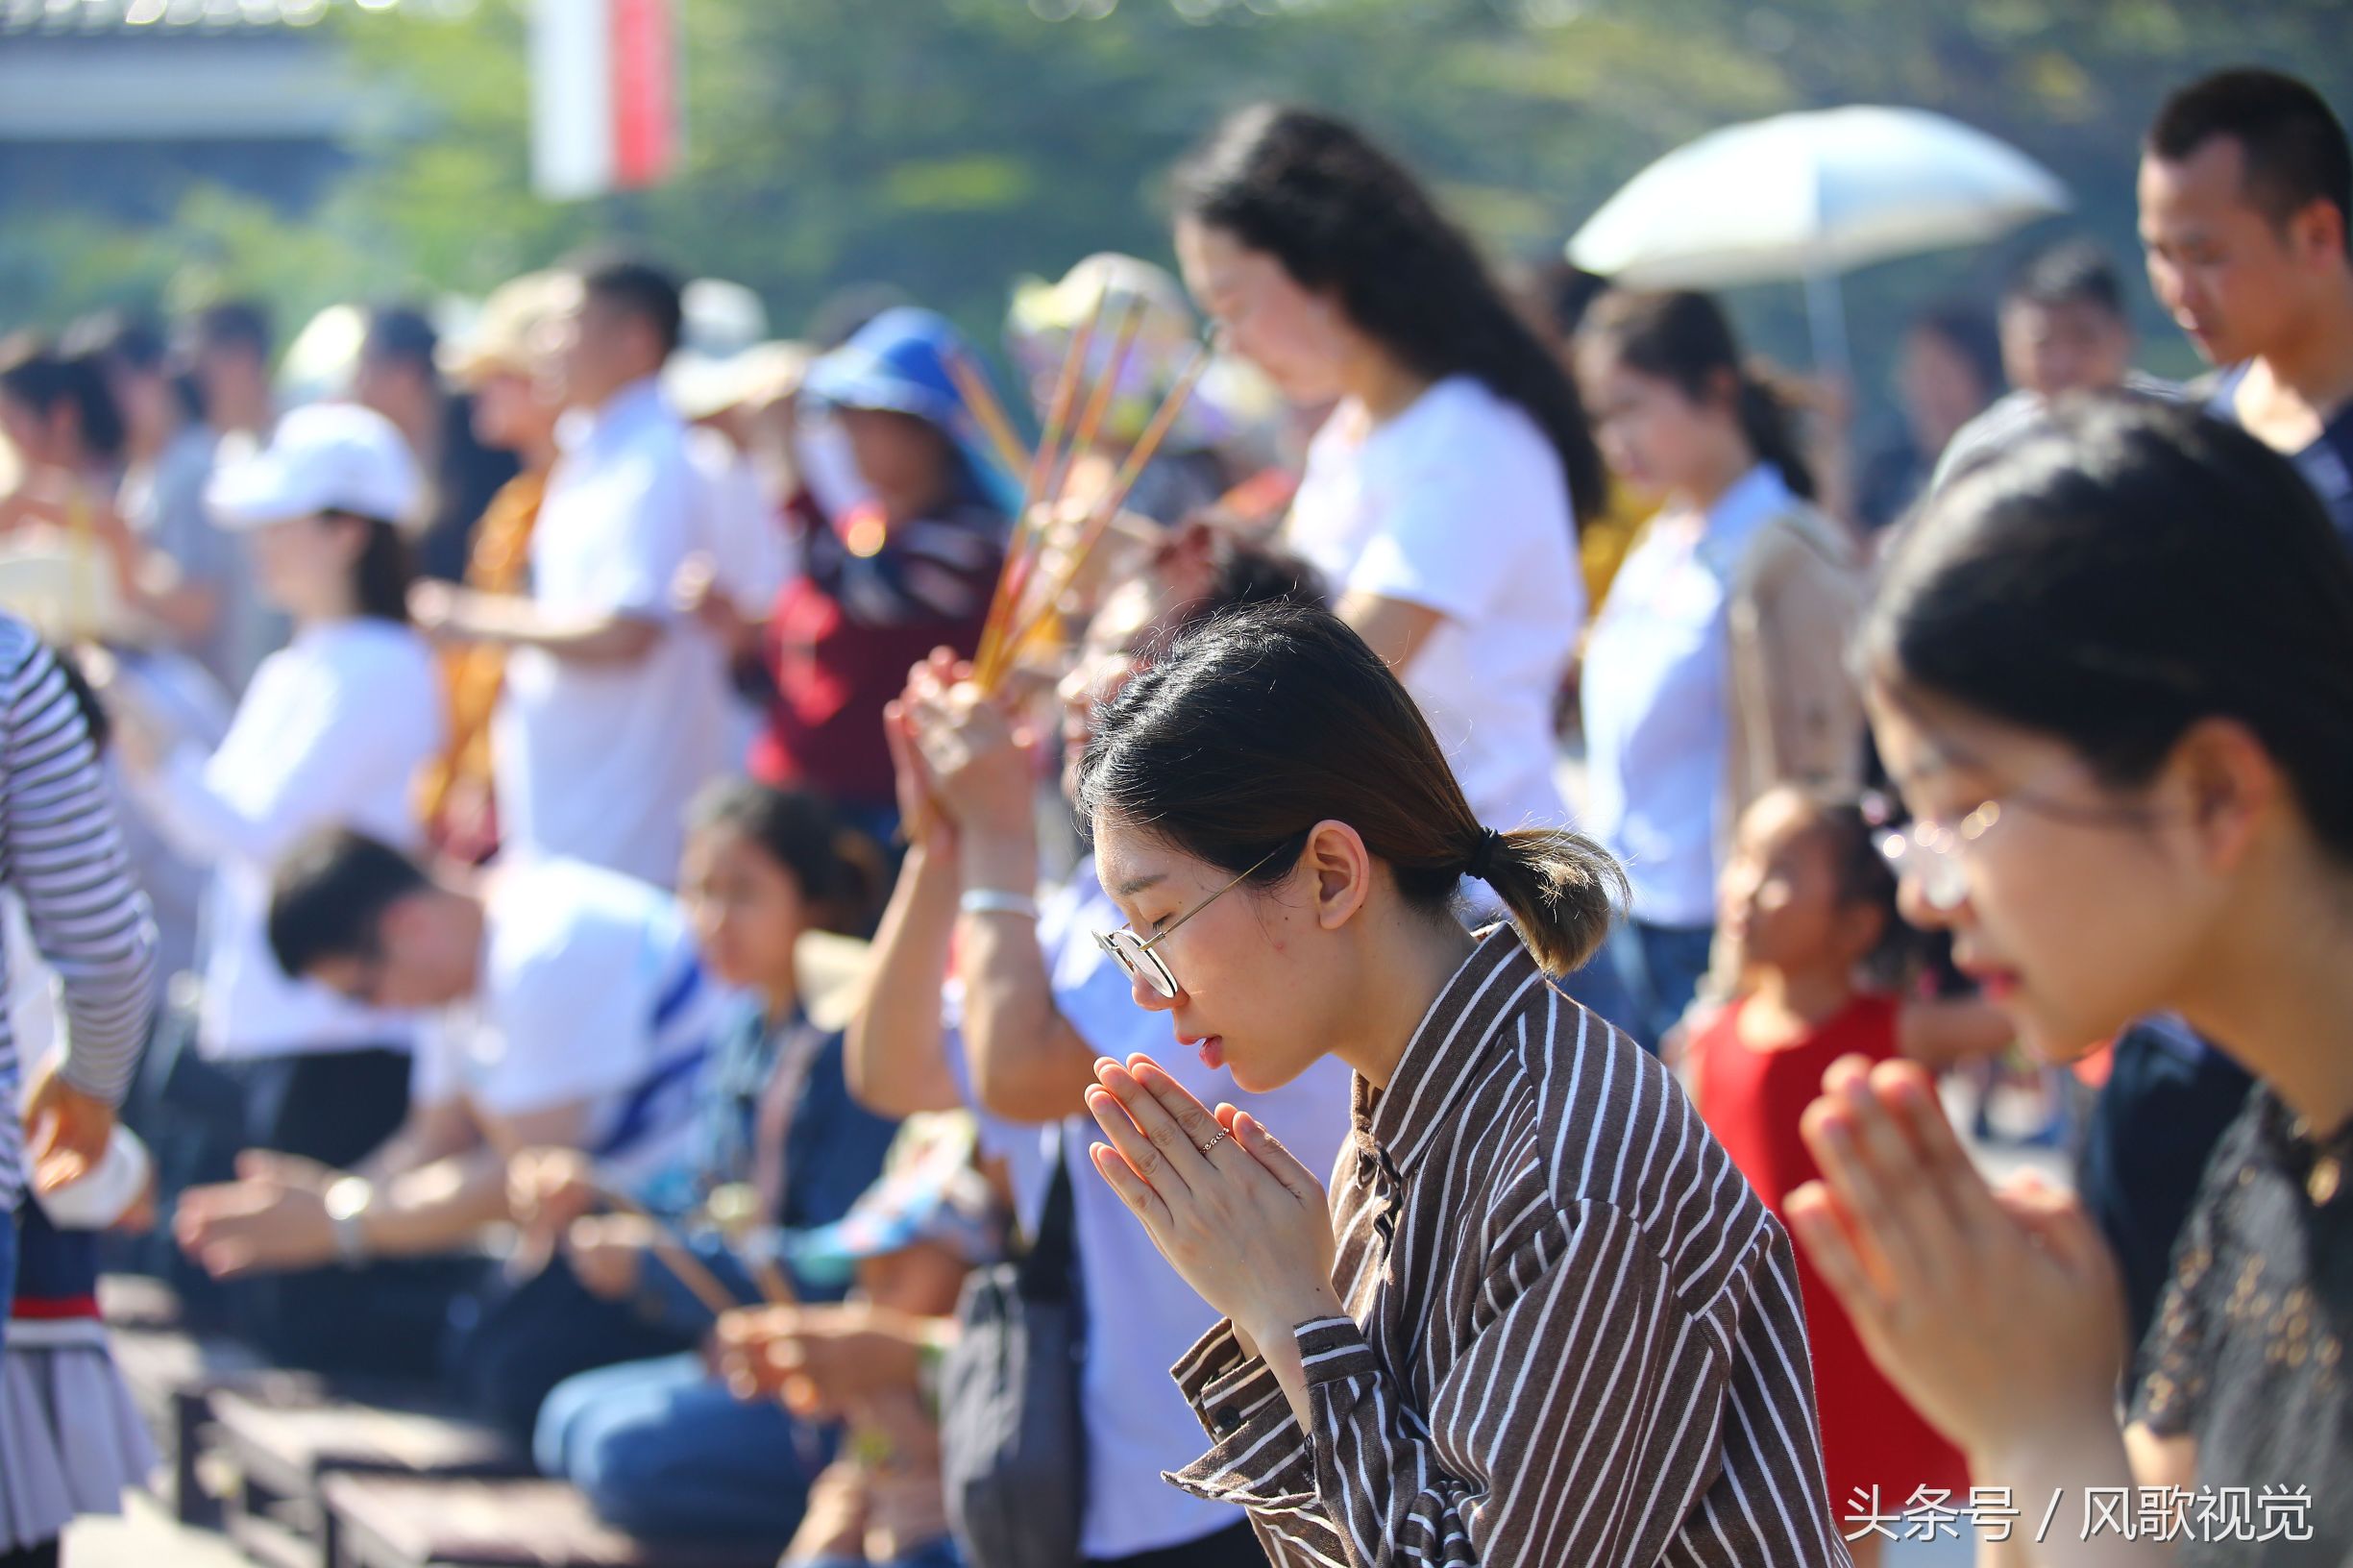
[949, 146]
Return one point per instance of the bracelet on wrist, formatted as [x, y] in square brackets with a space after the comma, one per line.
[348, 1201]
[996, 902]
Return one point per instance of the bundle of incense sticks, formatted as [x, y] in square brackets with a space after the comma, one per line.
[735, 1210]
[674, 1253]
[1028, 615]
[1011, 612]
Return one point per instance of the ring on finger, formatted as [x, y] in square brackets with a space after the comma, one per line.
[1214, 1141]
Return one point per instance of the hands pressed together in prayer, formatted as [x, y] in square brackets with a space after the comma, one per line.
[1244, 1222]
[1998, 1313]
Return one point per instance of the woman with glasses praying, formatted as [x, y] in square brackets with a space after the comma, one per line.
[1543, 1320]
[1036, 1002]
[2112, 671]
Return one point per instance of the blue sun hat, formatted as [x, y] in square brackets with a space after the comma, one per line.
[899, 362]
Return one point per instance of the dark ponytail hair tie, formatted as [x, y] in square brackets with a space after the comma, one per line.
[1482, 854]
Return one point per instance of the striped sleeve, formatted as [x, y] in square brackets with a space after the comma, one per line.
[1583, 1420]
[62, 853]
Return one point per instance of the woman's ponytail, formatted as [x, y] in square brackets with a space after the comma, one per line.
[1261, 722]
[1562, 888]
[1768, 418]
[1685, 339]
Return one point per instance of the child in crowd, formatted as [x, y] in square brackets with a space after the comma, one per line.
[657, 1446]
[766, 875]
[57, 1370]
[1807, 912]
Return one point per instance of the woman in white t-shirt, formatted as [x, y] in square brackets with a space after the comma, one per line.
[333, 730]
[1441, 494]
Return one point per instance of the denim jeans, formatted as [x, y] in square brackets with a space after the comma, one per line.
[662, 1449]
[939, 1554]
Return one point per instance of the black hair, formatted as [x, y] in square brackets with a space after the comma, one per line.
[839, 869]
[1685, 338]
[1970, 332]
[121, 339]
[235, 324]
[2116, 578]
[2295, 147]
[1564, 291]
[1849, 827]
[639, 288]
[1247, 572]
[86, 703]
[2071, 272]
[36, 373]
[330, 895]
[385, 571]
[1339, 213]
[401, 334]
[1262, 722]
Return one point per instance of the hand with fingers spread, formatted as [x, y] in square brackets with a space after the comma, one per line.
[1999, 1315]
[1247, 1225]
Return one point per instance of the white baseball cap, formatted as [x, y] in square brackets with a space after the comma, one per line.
[323, 458]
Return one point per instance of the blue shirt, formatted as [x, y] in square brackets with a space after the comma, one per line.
[1654, 698]
[2327, 464]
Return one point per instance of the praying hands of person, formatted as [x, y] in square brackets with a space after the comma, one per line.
[1998, 1313]
[1244, 1221]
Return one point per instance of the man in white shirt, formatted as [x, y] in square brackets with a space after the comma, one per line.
[614, 711]
[569, 1011]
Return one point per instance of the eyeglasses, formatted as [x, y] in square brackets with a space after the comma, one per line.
[1933, 855]
[1135, 954]
[1928, 854]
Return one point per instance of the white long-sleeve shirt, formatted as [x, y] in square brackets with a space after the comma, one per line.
[332, 731]
[61, 854]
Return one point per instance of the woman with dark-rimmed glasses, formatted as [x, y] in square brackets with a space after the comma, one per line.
[1542, 1319]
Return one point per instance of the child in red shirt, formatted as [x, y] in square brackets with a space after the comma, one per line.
[1808, 909]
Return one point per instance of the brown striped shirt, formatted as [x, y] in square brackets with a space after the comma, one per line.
[1574, 1334]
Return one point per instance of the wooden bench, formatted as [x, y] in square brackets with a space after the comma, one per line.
[283, 1449]
[405, 1522]
[172, 1377]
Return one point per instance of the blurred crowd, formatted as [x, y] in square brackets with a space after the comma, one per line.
[616, 959]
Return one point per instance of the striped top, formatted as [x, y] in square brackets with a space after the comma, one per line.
[61, 854]
[1575, 1333]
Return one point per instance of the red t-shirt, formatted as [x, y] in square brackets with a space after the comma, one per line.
[1752, 1099]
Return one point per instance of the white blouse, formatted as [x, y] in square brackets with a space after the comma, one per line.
[333, 730]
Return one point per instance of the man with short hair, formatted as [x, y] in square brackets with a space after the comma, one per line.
[614, 710]
[2246, 193]
[226, 350]
[399, 377]
[2064, 329]
[569, 1010]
